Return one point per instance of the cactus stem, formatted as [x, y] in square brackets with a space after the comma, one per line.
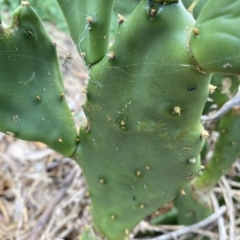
[60, 140]
[121, 19]
[192, 160]
[196, 31]
[102, 180]
[177, 110]
[212, 88]
[111, 55]
[38, 98]
[25, 3]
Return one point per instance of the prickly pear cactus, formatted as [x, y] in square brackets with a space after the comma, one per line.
[147, 98]
[196, 204]
[213, 26]
[226, 148]
[32, 103]
[146, 93]
[89, 29]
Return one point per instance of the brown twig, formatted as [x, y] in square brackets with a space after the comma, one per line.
[46, 215]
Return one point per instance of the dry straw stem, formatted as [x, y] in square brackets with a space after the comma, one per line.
[202, 224]
[48, 212]
[220, 220]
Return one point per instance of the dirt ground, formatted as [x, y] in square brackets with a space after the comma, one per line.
[43, 195]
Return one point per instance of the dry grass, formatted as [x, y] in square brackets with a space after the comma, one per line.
[43, 195]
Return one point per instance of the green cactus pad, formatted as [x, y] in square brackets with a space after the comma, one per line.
[32, 104]
[143, 138]
[215, 38]
[89, 23]
[227, 147]
[196, 204]
[193, 206]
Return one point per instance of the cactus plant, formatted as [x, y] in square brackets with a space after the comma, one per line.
[196, 204]
[141, 144]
